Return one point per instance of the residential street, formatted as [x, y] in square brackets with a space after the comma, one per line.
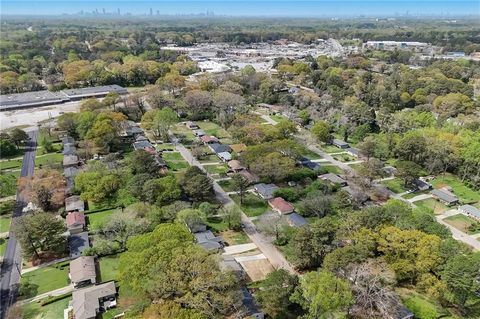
[268, 249]
[12, 262]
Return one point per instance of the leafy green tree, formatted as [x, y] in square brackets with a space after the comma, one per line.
[286, 128]
[275, 294]
[240, 184]
[170, 310]
[273, 167]
[162, 191]
[323, 295]
[163, 121]
[7, 146]
[197, 185]
[316, 204]
[166, 265]
[40, 233]
[321, 131]
[232, 216]
[142, 162]
[408, 171]
[91, 104]
[18, 136]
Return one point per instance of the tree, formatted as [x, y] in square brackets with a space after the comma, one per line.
[170, 310]
[240, 185]
[40, 233]
[19, 136]
[166, 265]
[275, 293]
[121, 227]
[46, 189]
[309, 245]
[323, 295]
[197, 185]
[91, 104]
[409, 172]
[193, 218]
[368, 147]
[163, 121]
[142, 162]
[452, 104]
[316, 204]
[286, 128]
[273, 167]
[7, 146]
[371, 170]
[321, 131]
[162, 191]
[461, 277]
[111, 99]
[232, 215]
[172, 81]
[43, 197]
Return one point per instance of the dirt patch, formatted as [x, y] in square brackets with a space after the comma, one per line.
[257, 269]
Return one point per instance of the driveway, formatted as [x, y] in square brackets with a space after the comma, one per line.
[277, 260]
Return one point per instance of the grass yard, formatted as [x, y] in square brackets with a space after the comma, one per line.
[209, 159]
[34, 310]
[252, 204]
[213, 129]
[48, 278]
[466, 194]
[216, 224]
[56, 147]
[3, 246]
[433, 204]
[177, 165]
[172, 156]
[165, 146]
[5, 221]
[277, 117]
[355, 166]
[109, 267]
[330, 148]
[11, 164]
[216, 169]
[8, 184]
[95, 220]
[344, 158]
[7, 207]
[232, 237]
[227, 185]
[50, 159]
[414, 194]
[311, 155]
[461, 222]
[423, 307]
[395, 185]
[183, 133]
[332, 169]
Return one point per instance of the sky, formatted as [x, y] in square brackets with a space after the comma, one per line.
[266, 8]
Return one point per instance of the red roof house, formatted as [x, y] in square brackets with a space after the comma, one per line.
[75, 222]
[281, 206]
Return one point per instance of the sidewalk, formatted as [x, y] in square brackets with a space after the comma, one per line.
[53, 262]
[53, 293]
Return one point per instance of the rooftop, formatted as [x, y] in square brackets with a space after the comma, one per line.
[69, 160]
[96, 90]
[444, 195]
[74, 203]
[471, 210]
[86, 301]
[235, 165]
[281, 205]
[82, 268]
[334, 178]
[78, 243]
[296, 220]
[75, 218]
[18, 100]
[220, 148]
[265, 190]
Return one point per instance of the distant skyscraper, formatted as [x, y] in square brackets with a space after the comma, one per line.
[151, 11]
[96, 11]
[118, 11]
[103, 11]
[158, 12]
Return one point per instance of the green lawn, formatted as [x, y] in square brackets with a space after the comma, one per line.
[433, 204]
[311, 155]
[165, 146]
[95, 220]
[216, 169]
[216, 224]
[172, 156]
[7, 207]
[232, 237]
[252, 204]
[332, 169]
[466, 194]
[277, 118]
[423, 307]
[227, 185]
[109, 267]
[412, 195]
[3, 245]
[395, 185]
[50, 159]
[11, 164]
[344, 158]
[56, 147]
[8, 184]
[177, 165]
[330, 148]
[5, 221]
[34, 310]
[213, 129]
[461, 222]
[355, 166]
[48, 278]
[209, 159]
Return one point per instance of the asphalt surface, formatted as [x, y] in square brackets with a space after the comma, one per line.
[12, 261]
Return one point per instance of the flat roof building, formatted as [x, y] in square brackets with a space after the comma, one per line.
[445, 196]
[265, 191]
[96, 91]
[470, 211]
[31, 99]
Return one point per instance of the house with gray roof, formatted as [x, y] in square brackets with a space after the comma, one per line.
[95, 91]
[70, 172]
[69, 149]
[219, 148]
[445, 197]
[70, 160]
[82, 271]
[470, 211]
[88, 303]
[334, 179]
[265, 191]
[74, 204]
[296, 220]
[340, 144]
[208, 240]
[77, 243]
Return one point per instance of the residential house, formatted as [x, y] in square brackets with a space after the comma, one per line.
[420, 185]
[192, 125]
[249, 176]
[229, 263]
[238, 148]
[75, 222]
[88, 303]
[208, 240]
[445, 196]
[265, 191]
[311, 165]
[340, 144]
[67, 140]
[333, 179]
[140, 138]
[470, 211]
[77, 243]
[353, 152]
[82, 271]
[224, 156]
[129, 129]
[70, 160]
[235, 166]
[143, 145]
[199, 133]
[281, 206]
[208, 139]
[356, 195]
[219, 148]
[296, 220]
[74, 203]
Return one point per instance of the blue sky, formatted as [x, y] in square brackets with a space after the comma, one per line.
[293, 8]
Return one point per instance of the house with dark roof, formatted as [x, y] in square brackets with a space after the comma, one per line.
[70, 172]
[199, 133]
[82, 271]
[281, 206]
[340, 144]
[88, 303]
[470, 211]
[333, 179]
[445, 197]
[192, 125]
[219, 148]
[75, 222]
[208, 240]
[69, 149]
[143, 145]
[353, 151]
[74, 203]
[265, 191]
[77, 243]
[296, 220]
[420, 185]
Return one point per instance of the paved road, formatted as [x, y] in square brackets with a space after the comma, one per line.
[12, 261]
[277, 260]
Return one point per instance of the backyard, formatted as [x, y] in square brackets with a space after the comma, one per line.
[109, 267]
[5, 221]
[433, 204]
[95, 220]
[466, 194]
[252, 205]
[395, 185]
[227, 185]
[462, 223]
